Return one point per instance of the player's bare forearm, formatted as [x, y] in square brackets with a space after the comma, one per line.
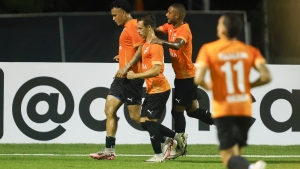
[154, 71]
[265, 76]
[262, 80]
[199, 77]
[158, 32]
[205, 85]
[148, 74]
[174, 45]
[136, 58]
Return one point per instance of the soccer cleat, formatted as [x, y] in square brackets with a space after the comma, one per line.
[180, 149]
[176, 153]
[157, 158]
[167, 147]
[181, 139]
[107, 153]
[260, 165]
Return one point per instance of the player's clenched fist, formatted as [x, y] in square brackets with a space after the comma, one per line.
[131, 75]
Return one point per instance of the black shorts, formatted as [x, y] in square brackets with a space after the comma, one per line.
[128, 91]
[185, 92]
[154, 105]
[233, 130]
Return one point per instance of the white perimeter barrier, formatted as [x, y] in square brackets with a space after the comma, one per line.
[31, 90]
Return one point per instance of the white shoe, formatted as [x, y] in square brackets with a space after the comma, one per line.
[167, 147]
[157, 158]
[176, 153]
[260, 165]
[107, 153]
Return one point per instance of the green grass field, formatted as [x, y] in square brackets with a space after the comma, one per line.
[70, 156]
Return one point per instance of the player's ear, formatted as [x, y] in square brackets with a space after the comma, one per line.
[123, 12]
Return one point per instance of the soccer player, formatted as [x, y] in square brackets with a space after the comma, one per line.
[123, 90]
[157, 91]
[229, 61]
[180, 47]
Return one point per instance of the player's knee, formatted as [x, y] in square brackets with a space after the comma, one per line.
[109, 112]
[134, 114]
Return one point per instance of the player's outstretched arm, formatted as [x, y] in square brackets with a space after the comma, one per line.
[137, 57]
[176, 45]
[265, 76]
[158, 32]
[154, 71]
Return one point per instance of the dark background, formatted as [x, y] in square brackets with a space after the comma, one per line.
[33, 6]
[37, 39]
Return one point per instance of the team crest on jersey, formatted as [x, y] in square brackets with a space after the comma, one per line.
[173, 54]
[146, 50]
[174, 36]
[144, 66]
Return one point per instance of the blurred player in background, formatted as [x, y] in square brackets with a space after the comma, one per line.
[157, 91]
[123, 90]
[230, 61]
[185, 96]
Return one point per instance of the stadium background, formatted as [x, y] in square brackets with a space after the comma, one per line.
[30, 28]
[31, 31]
[80, 32]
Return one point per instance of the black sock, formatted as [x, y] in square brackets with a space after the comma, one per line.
[237, 162]
[110, 142]
[165, 131]
[155, 136]
[203, 115]
[179, 121]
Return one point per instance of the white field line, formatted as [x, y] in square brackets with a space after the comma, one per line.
[141, 155]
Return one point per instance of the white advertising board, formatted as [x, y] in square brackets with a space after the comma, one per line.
[64, 103]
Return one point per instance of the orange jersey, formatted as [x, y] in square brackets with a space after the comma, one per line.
[128, 43]
[181, 59]
[229, 63]
[154, 54]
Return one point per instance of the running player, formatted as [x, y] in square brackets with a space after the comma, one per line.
[229, 61]
[157, 91]
[185, 96]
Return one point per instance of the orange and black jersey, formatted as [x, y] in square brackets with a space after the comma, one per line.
[128, 43]
[230, 63]
[154, 54]
[182, 58]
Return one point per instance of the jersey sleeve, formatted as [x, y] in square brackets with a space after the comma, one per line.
[136, 38]
[203, 57]
[157, 54]
[164, 28]
[183, 34]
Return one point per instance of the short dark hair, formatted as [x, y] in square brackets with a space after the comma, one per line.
[148, 20]
[233, 24]
[181, 9]
[123, 4]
